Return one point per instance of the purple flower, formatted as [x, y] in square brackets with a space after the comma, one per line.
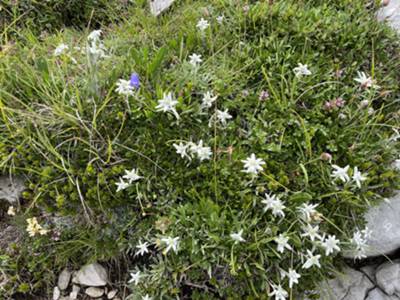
[264, 95]
[134, 82]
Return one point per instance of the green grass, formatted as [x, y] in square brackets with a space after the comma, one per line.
[65, 129]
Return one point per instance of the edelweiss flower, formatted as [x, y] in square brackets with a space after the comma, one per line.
[124, 87]
[143, 248]
[275, 204]
[237, 237]
[307, 211]
[181, 149]
[34, 227]
[278, 292]
[11, 211]
[167, 104]
[301, 70]
[195, 59]
[282, 242]
[121, 185]
[60, 49]
[252, 165]
[135, 278]
[358, 177]
[94, 35]
[365, 81]
[312, 260]
[311, 232]
[293, 277]
[220, 19]
[202, 24]
[132, 175]
[330, 244]
[359, 241]
[172, 243]
[202, 152]
[208, 99]
[223, 116]
[340, 173]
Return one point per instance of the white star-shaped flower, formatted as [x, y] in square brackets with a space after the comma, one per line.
[223, 116]
[311, 232]
[202, 152]
[135, 278]
[282, 242]
[331, 244]
[237, 237]
[253, 165]
[208, 99]
[121, 185]
[220, 19]
[60, 49]
[202, 24]
[275, 204]
[307, 210]
[167, 104]
[341, 173]
[365, 81]
[181, 149]
[131, 176]
[195, 59]
[124, 87]
[301, 70]
[358, 177]
[293, 277]
[312, 260]
[143, 248]
[171, 243]
[278, 292]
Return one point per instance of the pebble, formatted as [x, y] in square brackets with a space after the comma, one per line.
[94, 292]
[63, 279]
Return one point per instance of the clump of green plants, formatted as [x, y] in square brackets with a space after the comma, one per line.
[221, 151]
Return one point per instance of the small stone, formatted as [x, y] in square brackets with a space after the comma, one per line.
[63, 279]
[91, 275]
[112, 294]
[158, 6]
[56, 293]
[388, 277]
[75, 291]
[94, 292]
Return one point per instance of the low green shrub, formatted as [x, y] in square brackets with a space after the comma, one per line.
[211, 229]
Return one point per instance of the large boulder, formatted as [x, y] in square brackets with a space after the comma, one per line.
[388, 277]
[391, 14]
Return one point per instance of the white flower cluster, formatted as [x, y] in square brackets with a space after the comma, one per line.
[189, 150]
[95, 46]
[359, 241]
[130, 176]
[342, 174]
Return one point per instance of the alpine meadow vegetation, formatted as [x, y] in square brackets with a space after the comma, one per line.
[222, 150]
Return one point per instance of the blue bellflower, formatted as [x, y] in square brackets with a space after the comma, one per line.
[134, 81]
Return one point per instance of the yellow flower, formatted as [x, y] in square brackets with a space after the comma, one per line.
[34, 227]
[11, 211]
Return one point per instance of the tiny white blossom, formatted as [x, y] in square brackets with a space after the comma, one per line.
[358, 177]
[275, 204]
[330, 244]
[121, 185]
[223, 116]
[312, 260]
[237, 237]
[307, 210]
[94, 35]
[365, 81]
[220, 19]
[11, 211]
[60, 49]
[208, 99]
[253, 165]
[341, 173]
[167, 104]
[171, 243]
[202, 24]
[181, 149]
[124, 87]
[293, 277]
[132, 175]
[282, 242]
[311, 232]
[143, 248]
[278, 292]
[135, 278]
[195, 59]
[301, 70]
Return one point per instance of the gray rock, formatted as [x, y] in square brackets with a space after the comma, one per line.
[391, 14]
[11, 189]
[56, 293]
[377, 294]
[63, 279]
[388, 277]
[369, 271]
[94, 292]
[91, 275]
[75, 292]
[112, 294]
[158, 6]
[351, 285]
